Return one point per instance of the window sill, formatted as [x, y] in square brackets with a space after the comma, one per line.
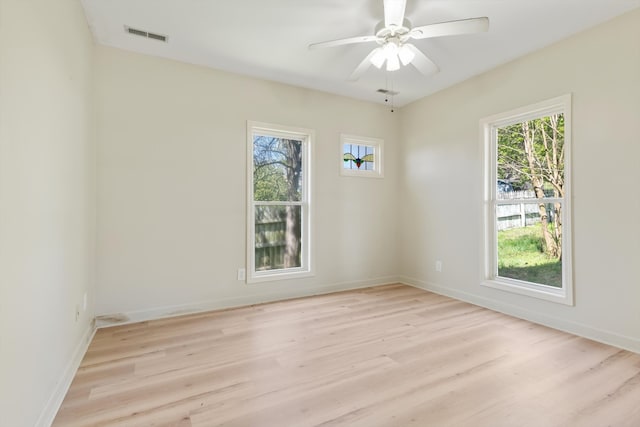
[257, 277]
[542, 292]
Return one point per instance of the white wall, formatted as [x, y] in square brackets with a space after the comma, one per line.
[442, 180]
[172, 187]
[46, 203]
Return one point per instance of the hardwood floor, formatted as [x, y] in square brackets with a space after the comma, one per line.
[383, 356]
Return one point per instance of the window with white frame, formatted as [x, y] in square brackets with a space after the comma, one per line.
[279, 210]
[527, 243]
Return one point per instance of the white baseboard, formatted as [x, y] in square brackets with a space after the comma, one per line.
[116, 319]
[575, 328]
[50, 410]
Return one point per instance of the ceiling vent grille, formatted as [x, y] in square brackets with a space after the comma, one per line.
[146, 34]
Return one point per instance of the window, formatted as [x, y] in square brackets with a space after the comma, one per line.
[279, 212]
[527, 244]
[361, 156]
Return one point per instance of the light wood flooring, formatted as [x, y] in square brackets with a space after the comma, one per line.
[383, 356]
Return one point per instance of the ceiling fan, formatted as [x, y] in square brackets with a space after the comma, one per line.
[393, 35]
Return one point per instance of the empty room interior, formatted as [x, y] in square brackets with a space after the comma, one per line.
[277, 213]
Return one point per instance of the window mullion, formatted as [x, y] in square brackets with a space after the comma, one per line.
[277, 203]
[518, 201]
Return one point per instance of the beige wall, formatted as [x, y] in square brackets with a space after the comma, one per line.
[172, 187]
[442, 180]
[46, 203]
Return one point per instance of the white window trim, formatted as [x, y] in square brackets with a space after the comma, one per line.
[307, 136]
[490, 279]
[378, 152]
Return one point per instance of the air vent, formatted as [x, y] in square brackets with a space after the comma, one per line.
[146, 34]
[387, 92]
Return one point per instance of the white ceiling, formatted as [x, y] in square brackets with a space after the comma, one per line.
[269, 38]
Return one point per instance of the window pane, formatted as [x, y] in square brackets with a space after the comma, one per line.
[359, 157]
[531, 158]
[278, 237]
[277, 169]
[530, 242]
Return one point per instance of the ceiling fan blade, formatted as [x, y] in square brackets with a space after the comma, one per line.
[394, 12]
[339, 42]
[451, 28]
[421, 62]
[362, 67]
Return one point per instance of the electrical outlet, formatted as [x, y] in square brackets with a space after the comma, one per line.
[241, 274]
[439, 266]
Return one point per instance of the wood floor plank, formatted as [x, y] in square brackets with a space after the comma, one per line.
[382, 356]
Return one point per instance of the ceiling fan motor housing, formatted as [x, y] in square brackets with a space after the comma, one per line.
[384, 33]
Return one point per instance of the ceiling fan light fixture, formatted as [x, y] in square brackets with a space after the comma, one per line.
[390, 49]
[393, 63]
[378, 57]
[406, 55]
